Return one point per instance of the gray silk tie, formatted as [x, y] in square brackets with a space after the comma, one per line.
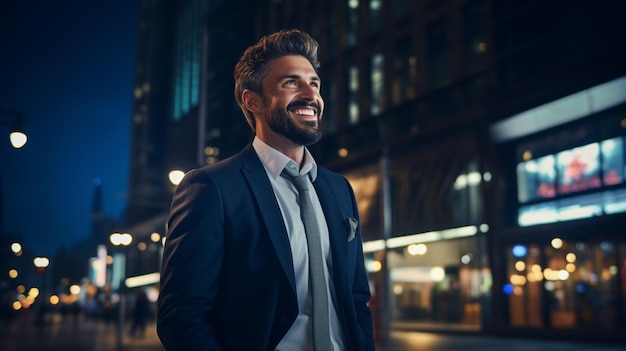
[321, 330]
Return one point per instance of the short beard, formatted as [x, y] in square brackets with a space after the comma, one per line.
[281, 123]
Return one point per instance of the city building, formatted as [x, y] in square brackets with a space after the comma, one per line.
[484, 140]
[184, 113]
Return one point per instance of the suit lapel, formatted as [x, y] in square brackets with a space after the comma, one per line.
[264, 194]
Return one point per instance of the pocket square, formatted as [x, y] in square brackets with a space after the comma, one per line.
[351, 224]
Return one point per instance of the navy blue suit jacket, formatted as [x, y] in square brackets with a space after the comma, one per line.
[227, 281]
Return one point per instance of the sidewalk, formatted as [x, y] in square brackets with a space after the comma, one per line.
[150, 342]
[57, 333]
[431, 341]
[92, 335]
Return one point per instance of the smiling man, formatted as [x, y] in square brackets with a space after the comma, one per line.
[264, 249]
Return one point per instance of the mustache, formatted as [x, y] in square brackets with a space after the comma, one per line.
[304, 103]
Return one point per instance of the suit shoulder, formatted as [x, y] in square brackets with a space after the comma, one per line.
[224, 168]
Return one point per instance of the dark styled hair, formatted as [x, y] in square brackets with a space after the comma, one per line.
[251, 67]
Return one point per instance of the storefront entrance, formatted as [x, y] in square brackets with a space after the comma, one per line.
[565, 284]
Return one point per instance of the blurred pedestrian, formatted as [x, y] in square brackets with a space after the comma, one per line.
[140, 314]
[238, 271]
[76, 312]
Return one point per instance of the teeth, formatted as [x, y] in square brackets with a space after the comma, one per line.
[305, 112]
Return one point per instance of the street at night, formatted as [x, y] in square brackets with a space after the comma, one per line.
[64, 333]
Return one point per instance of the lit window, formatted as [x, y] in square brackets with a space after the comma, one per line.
[377, 83]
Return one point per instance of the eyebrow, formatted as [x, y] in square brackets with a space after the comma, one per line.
[295, 76]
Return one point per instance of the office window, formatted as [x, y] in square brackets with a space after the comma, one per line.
[437, 53]
[329, 93]
[331, 31]
[377, 82]
[405, 72]
[474, 37]
[435, 189]
[312, 27]
[352, 20]
[289, 11]
[375, 15]
[402, 8]
[278, 13]
[353, 92]
[187, 59]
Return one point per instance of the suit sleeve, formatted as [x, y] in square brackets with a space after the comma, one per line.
[192, 260]
[360, 287]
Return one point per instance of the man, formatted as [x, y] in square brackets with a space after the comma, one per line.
[236, 272]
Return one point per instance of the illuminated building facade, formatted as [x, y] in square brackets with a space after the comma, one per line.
[485, 143]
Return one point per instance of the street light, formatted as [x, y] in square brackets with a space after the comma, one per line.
[119, 258]
[16, 248]
[41, 262]
[119, 274]
[176, 176]
[123, 239]
[13, 120]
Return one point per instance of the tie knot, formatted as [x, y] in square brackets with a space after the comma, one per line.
[300, 181]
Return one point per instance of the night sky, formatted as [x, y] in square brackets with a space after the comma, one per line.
[68, 67]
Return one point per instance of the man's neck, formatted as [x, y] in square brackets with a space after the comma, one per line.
[284, 145]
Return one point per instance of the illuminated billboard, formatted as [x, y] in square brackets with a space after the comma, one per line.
[574, 183]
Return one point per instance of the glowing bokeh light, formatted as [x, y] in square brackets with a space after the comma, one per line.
[556, 243]
[519, 250]
[437, 274]
[417, 249]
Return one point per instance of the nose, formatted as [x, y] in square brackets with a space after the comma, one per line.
[309, 92]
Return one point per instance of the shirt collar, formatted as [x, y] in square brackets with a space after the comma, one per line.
[275, 161]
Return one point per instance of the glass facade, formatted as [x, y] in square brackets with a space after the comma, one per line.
[572, 174]
[564, 259]
[563, 284]
[438, 282]
[434, 253]
[188, 51]
[435, 192]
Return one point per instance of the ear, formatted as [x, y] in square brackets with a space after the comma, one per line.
[252, 101]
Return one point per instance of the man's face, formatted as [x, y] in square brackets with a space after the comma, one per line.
[293, 104]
